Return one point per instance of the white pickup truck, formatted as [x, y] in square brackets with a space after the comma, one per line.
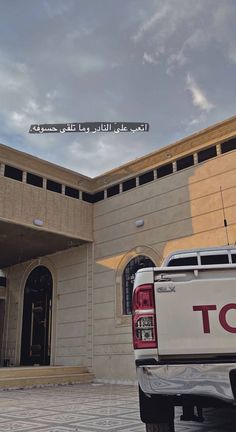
[184, 335]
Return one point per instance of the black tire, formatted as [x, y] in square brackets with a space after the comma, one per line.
[160, 427]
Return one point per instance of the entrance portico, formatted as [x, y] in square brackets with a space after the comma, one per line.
[30, 310]
[29, 302]
[36, 222]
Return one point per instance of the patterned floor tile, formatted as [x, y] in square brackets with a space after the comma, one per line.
[111, 411]
[76, 408]
[133, 416]
[57, 429]
[66, 418]
[30, 413]
[10, 409]
[139, 428]
[105, 424]
[102, 403]
[89, 408]
[3, 420]
[131, 404]
[15, 426]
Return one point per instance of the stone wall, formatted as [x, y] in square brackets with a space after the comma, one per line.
[181, 211]
[70, 319]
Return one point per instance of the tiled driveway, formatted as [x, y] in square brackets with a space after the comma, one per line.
[88, 408]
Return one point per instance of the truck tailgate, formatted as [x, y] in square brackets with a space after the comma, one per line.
[196, 311]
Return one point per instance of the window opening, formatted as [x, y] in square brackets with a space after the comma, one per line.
[164, 170]
[98, 196]
[185, 162]
[207, 154]
[228, 145]
[132, 267]
[72, 192]
[113, 190]
[13, 173]
[87, 197]
[146, 177]
[34, 180]
[54, 186]
[129, 184]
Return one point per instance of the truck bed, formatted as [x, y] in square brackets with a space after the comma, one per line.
[195, 311]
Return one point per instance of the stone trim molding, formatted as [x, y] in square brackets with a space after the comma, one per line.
[125, 320]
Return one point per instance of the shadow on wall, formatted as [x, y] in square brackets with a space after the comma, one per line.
[184, 210]
[212, 201]
[181, 211]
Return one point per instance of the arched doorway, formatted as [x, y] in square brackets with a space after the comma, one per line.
[37, 314]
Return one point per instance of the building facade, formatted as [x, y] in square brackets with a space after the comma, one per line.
[70, 245]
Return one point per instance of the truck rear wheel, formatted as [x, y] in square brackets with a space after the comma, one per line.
[160, 427]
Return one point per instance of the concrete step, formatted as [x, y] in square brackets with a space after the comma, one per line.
[21, 382]
[37, 371]
[19, 377]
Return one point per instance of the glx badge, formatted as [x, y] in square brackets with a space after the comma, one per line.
[166, 289]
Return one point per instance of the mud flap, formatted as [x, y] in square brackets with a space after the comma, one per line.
[155, 409]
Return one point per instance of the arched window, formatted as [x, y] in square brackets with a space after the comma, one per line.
[128, 276]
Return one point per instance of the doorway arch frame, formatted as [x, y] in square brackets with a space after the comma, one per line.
[46, 262]
[149, 252]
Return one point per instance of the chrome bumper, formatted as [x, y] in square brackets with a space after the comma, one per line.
[212, 380]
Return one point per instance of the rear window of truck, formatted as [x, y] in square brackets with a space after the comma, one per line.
[214, 259]
[204, 259]
[183, 261]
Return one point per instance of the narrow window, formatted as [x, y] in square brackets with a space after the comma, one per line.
[228, 145]
[13, 173]
[129, 184]
[164, 170]
[72, 192]
[206, 154]
[34, 180]
[3, 281]
[54, 186]
[146, 177]
[87, 197]
[98, 196]
[128, 279]
[185, 162]
[113, 190]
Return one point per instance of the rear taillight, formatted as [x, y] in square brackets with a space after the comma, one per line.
[144, 318]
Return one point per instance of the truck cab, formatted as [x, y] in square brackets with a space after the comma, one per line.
[184, 325]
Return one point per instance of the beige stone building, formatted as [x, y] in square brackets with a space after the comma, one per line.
[70, 245]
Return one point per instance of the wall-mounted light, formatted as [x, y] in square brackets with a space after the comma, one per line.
[139, 223]
[38, 222]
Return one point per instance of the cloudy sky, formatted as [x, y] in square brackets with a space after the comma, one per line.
[171, 63]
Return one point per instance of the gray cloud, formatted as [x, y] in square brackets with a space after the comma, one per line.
[151, 22]
[114, 61]
[199, 99]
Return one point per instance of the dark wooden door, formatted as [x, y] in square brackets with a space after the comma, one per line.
[37, 313]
